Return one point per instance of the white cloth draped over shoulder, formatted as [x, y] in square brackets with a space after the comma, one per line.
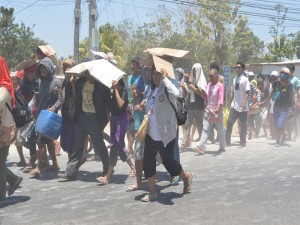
[199, 81]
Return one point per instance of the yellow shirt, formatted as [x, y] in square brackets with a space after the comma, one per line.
[87, 98]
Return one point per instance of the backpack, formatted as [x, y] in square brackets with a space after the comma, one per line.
[182, 111]
[21, 112]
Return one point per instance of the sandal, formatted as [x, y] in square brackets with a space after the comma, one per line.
[132, 188]
[187, 186]
[132, 173]
[149, 198]
[174, 180]
[27, 169]
[182, 148]
[35, 174]
[199, 150]
[103, 180]
[52, 168]
[21, 164]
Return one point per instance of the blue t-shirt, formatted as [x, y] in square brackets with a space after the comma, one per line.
[138, 82]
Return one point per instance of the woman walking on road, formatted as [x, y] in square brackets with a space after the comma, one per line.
[161, 134]
[119, 121]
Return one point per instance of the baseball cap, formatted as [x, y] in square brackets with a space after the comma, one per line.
[275, 73]
[251, 74]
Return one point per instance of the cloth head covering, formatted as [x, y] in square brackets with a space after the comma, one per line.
[5, 80]
[198, 81]
[20, 74]
[180, 70]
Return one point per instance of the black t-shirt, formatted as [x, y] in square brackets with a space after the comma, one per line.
[283, 94]
[199, 103]
[114, 108]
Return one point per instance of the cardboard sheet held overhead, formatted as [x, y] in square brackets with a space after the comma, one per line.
[47, 50]
[163, 64]
[170, 52]
[101, 69]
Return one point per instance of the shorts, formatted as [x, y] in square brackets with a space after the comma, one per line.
[280, 115]
[20, 140]
[138, 118]
[43, 140]
[138, 152]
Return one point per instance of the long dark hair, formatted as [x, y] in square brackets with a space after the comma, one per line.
[121, 83]
[153, 86]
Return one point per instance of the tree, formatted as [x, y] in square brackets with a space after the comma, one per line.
[207, 25]
[296, 44]
[282, 46]
[246, 45]
[17, 42]
[218, 16]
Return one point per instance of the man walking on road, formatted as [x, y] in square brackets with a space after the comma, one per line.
[239, 104]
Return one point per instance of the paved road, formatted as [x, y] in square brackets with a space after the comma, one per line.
[255, 185]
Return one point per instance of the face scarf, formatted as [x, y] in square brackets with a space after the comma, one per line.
[5, 80]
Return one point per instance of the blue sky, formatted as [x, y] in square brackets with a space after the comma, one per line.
[52, 20]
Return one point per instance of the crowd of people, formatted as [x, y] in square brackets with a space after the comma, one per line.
[87, 107]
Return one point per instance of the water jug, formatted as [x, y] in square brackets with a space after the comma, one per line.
[48, 124]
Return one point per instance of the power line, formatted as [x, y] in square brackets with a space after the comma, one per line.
[26, 7]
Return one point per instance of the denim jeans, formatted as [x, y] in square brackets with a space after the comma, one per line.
[233, 116]
[207, 126]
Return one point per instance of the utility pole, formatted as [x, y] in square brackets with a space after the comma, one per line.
[77, 16]
[93, 33]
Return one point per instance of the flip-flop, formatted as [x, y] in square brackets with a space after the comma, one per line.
[149, 198]
[187, 186]
[52, 168]
[132, 173]
[182, 148]
[27, 169]
[174, 180]
[102, 180]
[199, 150]
[132, 188]
[35, 174]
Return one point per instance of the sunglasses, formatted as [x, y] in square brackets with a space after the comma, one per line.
[237, 67]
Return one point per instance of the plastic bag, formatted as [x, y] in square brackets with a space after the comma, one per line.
[26, 130]
[31, 104]
[264, 113]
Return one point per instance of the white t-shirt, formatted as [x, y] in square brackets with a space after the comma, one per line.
[153, 126]
[239, 88]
